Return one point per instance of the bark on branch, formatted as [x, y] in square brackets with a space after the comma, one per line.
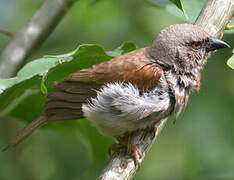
[32, 35]
[214, 17]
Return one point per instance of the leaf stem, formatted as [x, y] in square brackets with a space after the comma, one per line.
[7, 33]
[17, 101]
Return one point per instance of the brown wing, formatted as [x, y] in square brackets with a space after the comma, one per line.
[66, 101]
[135, 67]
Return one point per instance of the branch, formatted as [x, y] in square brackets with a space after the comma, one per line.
[214, 17]
[32, 35]
[122, 166]
[7, 33]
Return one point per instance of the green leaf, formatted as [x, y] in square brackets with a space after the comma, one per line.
[165, 3]
[158, 3]
[178, 4]
[124, 48]
[230, 62]
[40, 74]
[187, 10]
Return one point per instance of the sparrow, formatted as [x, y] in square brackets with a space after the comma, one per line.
[133, 91]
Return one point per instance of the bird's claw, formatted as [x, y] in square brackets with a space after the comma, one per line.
[137, 155]
[131, 149]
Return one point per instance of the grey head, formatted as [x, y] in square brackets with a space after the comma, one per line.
[184, 47]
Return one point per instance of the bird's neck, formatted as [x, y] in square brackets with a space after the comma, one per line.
[187, 81]
[181, 85]
[181, 70]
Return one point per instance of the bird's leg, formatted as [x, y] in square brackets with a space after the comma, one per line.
[137, 155]
[154, 127]
[135, 152]
[122, 144]
[132, 150]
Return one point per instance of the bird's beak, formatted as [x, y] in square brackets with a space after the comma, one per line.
[216, 44]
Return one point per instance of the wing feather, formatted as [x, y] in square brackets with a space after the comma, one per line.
[135, 67]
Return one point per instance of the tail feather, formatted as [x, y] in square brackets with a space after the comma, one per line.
[65, 103]
[64, 117]
[77, 87]
[69, 97]
[63, 114]
[25, 132]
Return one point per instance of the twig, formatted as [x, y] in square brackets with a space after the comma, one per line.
[229, 27]
[32, 35]
[7, 33]
[214, 17]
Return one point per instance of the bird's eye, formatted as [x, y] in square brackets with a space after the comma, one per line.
[196, 44]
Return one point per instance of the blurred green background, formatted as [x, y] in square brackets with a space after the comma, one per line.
[199, 146]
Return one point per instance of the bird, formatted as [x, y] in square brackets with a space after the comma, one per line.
[133, 91]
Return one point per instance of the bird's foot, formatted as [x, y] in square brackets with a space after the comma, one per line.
[153, 130]
[132, 150]
[137, 155]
